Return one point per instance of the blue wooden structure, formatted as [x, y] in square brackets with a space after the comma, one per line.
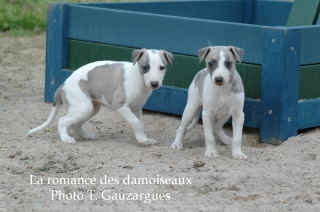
[284, 59]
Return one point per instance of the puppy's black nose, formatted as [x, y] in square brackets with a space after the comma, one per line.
[154, 84]
[218, 80]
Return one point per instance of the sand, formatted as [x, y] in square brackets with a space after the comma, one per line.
[114, 173]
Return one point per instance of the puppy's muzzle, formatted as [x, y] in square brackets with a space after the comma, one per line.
[218, 80]
[154, 84]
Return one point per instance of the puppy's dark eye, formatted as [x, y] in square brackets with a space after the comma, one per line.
[212, 64]
[162, 68]
[228, 64]
[145, 68]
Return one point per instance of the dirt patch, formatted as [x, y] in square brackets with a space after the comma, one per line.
[274, 178]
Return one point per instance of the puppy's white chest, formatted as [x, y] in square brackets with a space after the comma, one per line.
[221, 105]
[219, 101]
[216, 96]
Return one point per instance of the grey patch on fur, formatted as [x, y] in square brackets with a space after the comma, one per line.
[199, 80]
[229, 59]
[211, 69]
[143, 61]
[106, 82]
[212, 55]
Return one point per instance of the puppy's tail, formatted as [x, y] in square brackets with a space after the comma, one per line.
[57, 101]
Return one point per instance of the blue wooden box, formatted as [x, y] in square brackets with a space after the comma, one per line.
[286, 58]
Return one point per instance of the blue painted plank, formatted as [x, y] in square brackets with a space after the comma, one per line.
[224, 10]
[241, 11]
[308, 113]
[56, 48]
[279, 85]
[143, 28]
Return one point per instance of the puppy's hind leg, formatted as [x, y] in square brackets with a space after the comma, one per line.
[78, 128]
[77, 115]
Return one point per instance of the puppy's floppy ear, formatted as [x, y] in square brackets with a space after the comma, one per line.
[166, 57]
[203, 53]
[237, 53]
[137, 54]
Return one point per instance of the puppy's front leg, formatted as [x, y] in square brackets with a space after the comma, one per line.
[237, 126]
[136, 125]
[208, 135]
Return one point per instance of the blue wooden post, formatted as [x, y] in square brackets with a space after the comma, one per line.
[56, 48]
[280, 84]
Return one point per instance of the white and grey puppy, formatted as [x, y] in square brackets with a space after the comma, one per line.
[218, 90]
[120, 86]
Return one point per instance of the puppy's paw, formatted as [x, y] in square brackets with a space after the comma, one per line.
[211, 153]
[68, 139]
[239, 155]
[176, 145]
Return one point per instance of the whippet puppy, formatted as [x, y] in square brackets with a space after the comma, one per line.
[218, 91]
[120, 86]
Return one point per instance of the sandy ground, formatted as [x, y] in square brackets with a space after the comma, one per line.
[32, 169]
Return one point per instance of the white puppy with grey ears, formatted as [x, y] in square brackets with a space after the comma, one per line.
[121, 86]
[218, 90]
